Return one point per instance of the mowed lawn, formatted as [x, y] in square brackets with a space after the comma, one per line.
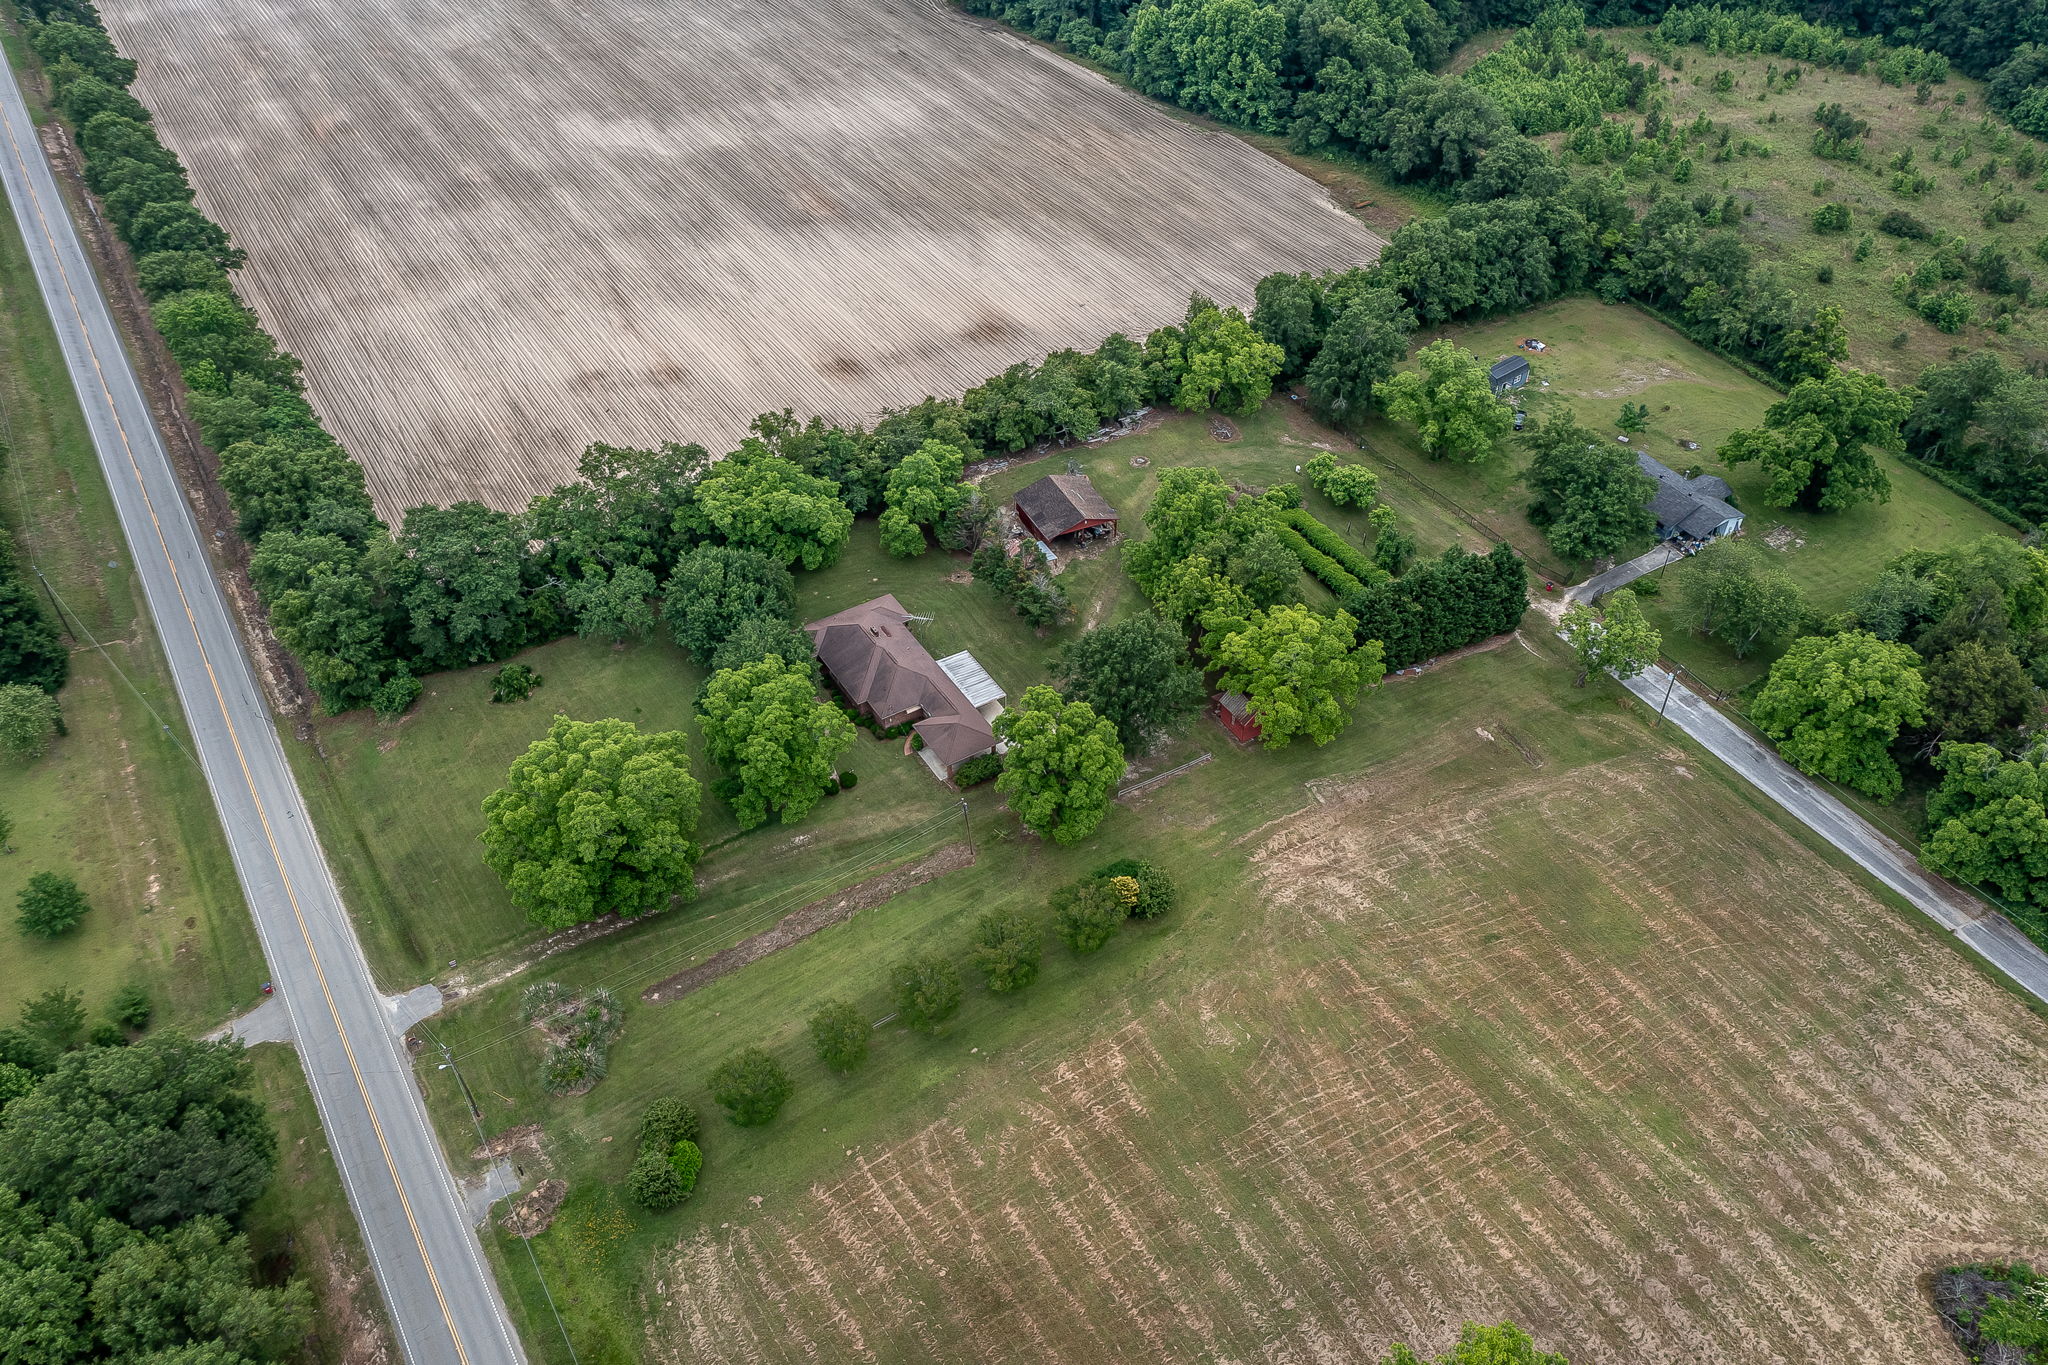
[399, 804]
[1501, 1005]
[1599, 356]
[116, 803]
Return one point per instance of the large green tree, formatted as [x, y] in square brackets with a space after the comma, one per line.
[1136, 674]
[1360, 350]
[761, 502]
[1988, 821]
[1450, 402]
[29, 717]
[1834, 704]
[717, 588]
[763, 724]
[1742, 595]
[1977, 690]
[1618, 640]
[1215, 360]
[1819, 442]
[1300, 670]
[593, 819]
[921, 492]
[1063, 765]
[1592, 498]
[462, 583]
[151, 1134]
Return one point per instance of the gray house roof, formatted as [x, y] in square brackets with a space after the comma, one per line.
[1509, 369]
[1696, 507]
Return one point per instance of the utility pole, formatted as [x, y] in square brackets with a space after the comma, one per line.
[63, 621]
[1672, 675]
[966, 824]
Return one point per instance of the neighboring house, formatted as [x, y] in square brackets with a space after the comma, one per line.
[1063, 505]
[1233, 712]
[891, 678]
[1509, 372]
[1696, 509]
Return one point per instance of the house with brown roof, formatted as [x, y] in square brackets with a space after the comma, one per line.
[889, 676]
[1063, 505]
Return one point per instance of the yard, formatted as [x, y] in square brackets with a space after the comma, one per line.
[1403, 1056]
[1598, 356]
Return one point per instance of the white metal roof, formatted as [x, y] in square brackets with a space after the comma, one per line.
[971, 678]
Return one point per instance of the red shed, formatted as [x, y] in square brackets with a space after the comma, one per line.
[1233, 712]
[1062, 504]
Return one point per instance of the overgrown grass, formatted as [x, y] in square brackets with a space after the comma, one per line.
[1781, 189]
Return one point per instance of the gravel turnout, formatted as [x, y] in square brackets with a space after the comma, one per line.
[497, 233]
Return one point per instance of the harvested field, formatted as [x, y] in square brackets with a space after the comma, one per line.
[495, 234]
[1598, 1049]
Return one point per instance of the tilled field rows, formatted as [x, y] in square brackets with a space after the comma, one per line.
[1602, 1052]
[496, 233]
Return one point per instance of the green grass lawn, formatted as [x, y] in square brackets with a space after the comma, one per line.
[1602, 355]
[1782, 190]
[399, 803]
[116, 803]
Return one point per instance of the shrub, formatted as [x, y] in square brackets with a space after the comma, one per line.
[107, 1033]
[28, 717]
[1347, 485]
[1333, 575]
[1156, 894]
[751, 1087]
[1831, 218]
[841, 1035]
[571, 1069]
[686, 1159]
[1284, 495]
[1006, 949]
[847, 781]
[514, 682]
[1949, 311]
[1086, 915]
[654, 1184]
[1347, 555]
[1899, 223]
[927, 991]
[666, 1122]
[50, 905]
[130, 1008]
[978, 770]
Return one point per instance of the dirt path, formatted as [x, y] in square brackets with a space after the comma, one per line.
[801, 924]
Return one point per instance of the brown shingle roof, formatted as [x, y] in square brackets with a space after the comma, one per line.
[1058, 503]
[879, 664]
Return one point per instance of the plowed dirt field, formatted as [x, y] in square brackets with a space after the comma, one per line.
[1598, 1049]
[496, 233]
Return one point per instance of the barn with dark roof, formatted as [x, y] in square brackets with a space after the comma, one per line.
[1063, 505]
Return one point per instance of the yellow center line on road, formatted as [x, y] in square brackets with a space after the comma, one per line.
[234, 736]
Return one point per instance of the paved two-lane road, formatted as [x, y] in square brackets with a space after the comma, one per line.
[1963, 915]
[427, 1259]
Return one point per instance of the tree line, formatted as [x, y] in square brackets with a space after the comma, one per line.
[125, 1171]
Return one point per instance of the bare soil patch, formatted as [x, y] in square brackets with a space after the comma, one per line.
[819, 914]
[1599, 1050]
[498, 233]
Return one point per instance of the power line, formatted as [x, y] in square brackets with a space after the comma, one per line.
[476, 1117]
